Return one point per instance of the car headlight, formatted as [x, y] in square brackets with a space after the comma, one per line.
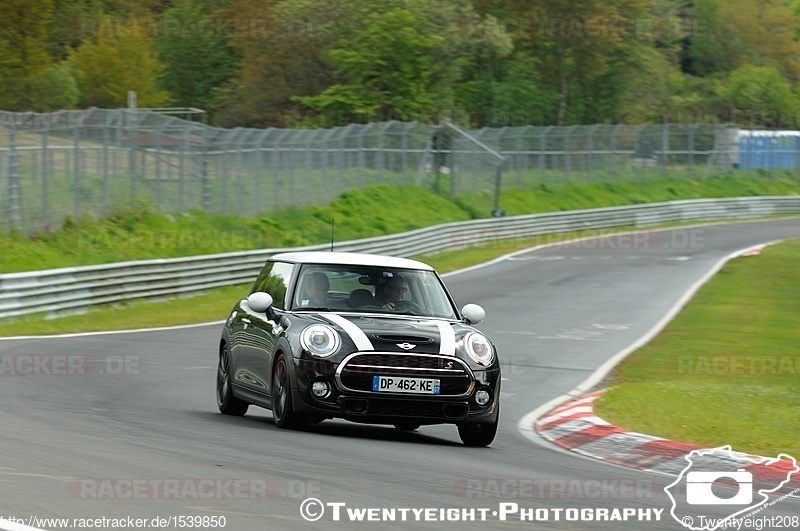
[479, 348]
[320, 340]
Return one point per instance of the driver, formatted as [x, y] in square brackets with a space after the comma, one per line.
[395, 291]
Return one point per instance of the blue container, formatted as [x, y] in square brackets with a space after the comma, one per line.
[769, 149]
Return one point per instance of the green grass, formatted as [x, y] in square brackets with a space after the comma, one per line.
[574, 196]
[139, 232]
[213, 305]
[726, 369]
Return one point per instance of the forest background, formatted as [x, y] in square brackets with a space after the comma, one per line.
[312, 63]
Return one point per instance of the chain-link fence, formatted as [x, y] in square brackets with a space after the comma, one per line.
[88, 163]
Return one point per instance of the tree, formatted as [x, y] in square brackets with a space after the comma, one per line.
[386, 67]
[71, 22]
[760, 94]
[56, 88]
[196, 52]
[275, 64]
[578, 41]
[733, 33]
[316, 45]
[23, 34]
[107, 69]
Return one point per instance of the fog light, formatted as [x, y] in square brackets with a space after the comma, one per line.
[482, 397]
[320, 389]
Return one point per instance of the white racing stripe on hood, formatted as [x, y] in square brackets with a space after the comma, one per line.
[356, 334]
[447, 338]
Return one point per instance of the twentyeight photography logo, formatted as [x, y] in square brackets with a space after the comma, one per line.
[717, 488]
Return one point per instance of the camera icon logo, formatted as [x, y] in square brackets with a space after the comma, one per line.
[698, 488]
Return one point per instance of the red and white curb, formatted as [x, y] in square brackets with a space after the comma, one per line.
[574, 426]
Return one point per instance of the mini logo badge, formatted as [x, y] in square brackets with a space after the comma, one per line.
[406, 346]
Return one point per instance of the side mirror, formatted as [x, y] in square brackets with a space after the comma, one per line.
[259, 301]
[473, 313]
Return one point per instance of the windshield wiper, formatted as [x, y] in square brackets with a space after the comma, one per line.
[314, 309]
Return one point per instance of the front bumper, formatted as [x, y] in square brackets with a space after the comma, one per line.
[360, 405]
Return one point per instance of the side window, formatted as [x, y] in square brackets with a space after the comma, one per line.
[274, 279]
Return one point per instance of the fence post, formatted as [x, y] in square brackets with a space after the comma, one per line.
[404, 135]
[612, 168]
[76, 192]
[590, 146]
[106, 184]
[361, 158]
[664, 147]
[45, 212]
[542, 155]
[380, 162]
[185, 138]
[496, 212]
[15, 206]
[567, 160]
[158, 189]
[133, 140]
[691, 152]
[206, 184]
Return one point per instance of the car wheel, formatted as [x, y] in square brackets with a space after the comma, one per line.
[226, 402]
[478, 434]
[406, 426]
[282, 407]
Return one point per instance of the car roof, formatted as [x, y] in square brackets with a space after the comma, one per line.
[334, 257]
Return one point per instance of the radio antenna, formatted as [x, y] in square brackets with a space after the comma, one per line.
[333, 223]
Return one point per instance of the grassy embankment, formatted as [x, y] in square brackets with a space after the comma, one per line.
[725, 370]
[139, 233]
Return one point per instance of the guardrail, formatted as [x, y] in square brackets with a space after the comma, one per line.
[78, 288]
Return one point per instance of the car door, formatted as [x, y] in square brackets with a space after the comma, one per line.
[260, 331]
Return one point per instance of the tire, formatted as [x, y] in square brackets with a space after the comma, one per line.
[407, 426]
[477, 435]
[226, 402]
[282, 406]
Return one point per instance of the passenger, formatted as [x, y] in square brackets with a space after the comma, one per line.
[316, 290]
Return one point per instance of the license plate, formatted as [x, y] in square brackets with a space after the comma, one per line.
[396, 384]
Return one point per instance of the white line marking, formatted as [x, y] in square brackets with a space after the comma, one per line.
[110, 332]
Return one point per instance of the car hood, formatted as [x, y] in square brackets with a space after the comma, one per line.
[393, 334]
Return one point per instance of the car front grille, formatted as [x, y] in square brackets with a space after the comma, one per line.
[355, 373]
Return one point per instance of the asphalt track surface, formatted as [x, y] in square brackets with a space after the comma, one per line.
[143, 410]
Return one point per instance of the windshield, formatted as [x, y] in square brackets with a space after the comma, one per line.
[362, 289]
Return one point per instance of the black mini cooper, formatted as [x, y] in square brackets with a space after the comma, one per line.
[367, 338]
